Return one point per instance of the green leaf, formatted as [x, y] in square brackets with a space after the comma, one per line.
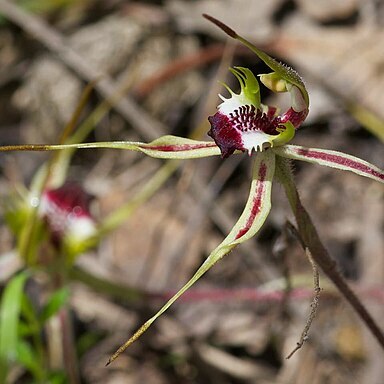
[25, 329]
[28, 313]
[253, 217]
[54, 304]
[9, 320]
[27, 357]
[58, 378]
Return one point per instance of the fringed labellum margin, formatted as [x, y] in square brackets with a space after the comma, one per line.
[243, 123]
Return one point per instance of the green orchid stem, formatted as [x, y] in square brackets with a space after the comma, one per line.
[320, 255]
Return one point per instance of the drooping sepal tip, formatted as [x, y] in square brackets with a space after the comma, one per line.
[282, 71]
[229, 31]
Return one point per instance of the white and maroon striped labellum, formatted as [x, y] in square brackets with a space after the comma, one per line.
[66, 212]
[243, 123]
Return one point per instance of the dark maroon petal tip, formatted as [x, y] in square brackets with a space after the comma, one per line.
[62, 207]
[70, 198]
[229, 31]
[225, 136]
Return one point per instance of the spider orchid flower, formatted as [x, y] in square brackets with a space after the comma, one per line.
[66, 212]
[63, 218]
[241, 124]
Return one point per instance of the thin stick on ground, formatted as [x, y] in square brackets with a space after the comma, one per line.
[314, 305]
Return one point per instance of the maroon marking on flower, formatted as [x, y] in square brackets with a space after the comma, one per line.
[70, 198]
[223, 133]
[296, 118]
[178, 147]
[227, 131]
[271, 112]
[257, 201]
[61, 207]
[337, 159]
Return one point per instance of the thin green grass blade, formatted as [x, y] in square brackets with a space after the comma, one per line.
[9, 321]
[54, 304]
[27, 357]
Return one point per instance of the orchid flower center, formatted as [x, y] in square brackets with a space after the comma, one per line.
[243, 123]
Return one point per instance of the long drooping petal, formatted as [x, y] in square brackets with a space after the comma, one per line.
[165, 147]
[332, 159]
[249, 223]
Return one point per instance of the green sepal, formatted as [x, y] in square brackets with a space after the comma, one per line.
[165, 147]
[282, 71]
[251, 220]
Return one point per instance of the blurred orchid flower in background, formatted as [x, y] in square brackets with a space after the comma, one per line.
[66, 211]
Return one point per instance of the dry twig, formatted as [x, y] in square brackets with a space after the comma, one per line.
[314, 305]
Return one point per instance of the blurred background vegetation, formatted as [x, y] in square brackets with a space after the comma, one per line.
[102, 70]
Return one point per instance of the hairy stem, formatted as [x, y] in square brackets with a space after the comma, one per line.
[319, 254]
